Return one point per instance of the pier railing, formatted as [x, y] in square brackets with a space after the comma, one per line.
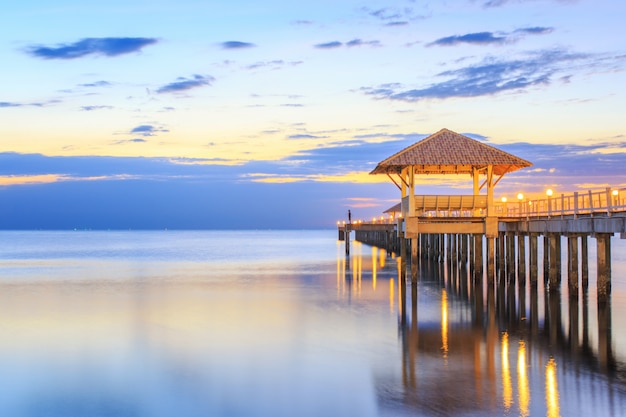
[607, 202]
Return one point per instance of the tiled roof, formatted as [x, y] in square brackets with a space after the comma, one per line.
[394, 209]
[450, 152]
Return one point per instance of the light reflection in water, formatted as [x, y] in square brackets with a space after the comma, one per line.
[552, 389]
[507, 390]
[523, 390]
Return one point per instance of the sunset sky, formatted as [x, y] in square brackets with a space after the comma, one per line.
[245, 114]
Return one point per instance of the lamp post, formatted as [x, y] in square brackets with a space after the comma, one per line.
[520, 198]
[615, 197]
[504, 207]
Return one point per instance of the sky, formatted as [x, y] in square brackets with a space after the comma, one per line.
[197, 114]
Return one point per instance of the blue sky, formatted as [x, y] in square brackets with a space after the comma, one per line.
[214, 114]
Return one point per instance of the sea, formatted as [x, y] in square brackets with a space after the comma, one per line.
[284, 323]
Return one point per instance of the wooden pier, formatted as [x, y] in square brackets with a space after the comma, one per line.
[496, 240]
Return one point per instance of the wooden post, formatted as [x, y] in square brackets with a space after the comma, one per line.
[532, 242]
[478, 257]
[491, 273]
[604, 266]
[546, 259]
[347, 238]
[584, 267]
[572, 263]
[521, 259]
[510, 257]
[554, 254]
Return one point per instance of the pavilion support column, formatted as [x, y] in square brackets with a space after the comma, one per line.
[491, 272]
[411, 175]
[490, 207]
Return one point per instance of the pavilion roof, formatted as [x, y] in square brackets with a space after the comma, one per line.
[447, 152]
[394, 209]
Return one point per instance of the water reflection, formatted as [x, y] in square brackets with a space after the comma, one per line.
[506, 349]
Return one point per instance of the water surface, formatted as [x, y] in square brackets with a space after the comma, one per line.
[281, 323]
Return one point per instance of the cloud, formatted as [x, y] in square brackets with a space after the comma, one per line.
[184, 84]
[500, 3]
[490, 38]
[272, 65]
[479, 38]
[237, 45]
[329, 45]
[305, 136]
[92, 46]
[491, 76]
[96, 84]
[397, 16]
[92, 108]
[6, 104]
[134, 140]
[537, 30]
[147, 130]
[349, 44]
[359, 42]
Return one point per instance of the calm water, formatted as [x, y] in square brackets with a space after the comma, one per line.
[264, 323]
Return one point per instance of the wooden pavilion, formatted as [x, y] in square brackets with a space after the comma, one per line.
[447, 152]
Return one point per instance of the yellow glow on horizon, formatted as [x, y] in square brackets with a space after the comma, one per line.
[10, 180]
[29, 179]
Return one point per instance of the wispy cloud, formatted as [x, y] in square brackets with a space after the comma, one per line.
[91, 46]
[236, 45]
[305, 136]
[134, 140]
[147, 130]
[359, 42]
[93, 108]
[184, 84]
[96, 84]
[500, 3]
[478, 38]
[396, 16]
[349, 44]
[490, 76]
[329, 45]
[7, 104]
[490, 38]
[536, 30]
[272, 65]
